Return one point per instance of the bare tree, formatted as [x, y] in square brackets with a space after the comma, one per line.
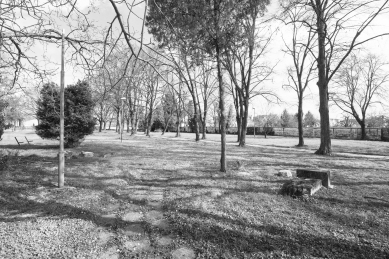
[185, 66]
[333, 20]
[300, 74]
[153, 84]
[246, 70]
[206, 85]
[179, 98]
[360, 84]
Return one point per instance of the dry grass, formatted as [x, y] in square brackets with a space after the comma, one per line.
[233, 215]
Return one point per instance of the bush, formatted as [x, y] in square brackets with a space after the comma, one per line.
[2, 118]
[79, 120]
[2, 125]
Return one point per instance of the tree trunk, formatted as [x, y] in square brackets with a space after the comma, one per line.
[149, 117]
[197, 130]
[325, 131]
[244, 112]
[238, 114]
[166, 126]
[117, 121]
[178, 134]
[204, 124]
[101, 118]
[300, 121]
[239, 125]
[101, 125]
[325, 137]
[133, 116]
[363, 130]
[223, 161]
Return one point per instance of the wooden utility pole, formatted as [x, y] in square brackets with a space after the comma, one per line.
[61, 156]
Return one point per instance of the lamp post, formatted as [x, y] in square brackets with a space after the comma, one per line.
[254, 121]
[122, 119]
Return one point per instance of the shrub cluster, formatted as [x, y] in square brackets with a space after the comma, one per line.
[79, 120]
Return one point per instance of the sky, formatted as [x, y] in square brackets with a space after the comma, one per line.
[105, 14]
[311, 101]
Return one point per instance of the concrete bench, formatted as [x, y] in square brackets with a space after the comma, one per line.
[323, 175]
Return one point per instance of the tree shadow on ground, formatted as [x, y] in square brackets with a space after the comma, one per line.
[22, 209]
[30, 147]
[205, 232]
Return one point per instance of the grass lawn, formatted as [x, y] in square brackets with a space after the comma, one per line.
[163, 197]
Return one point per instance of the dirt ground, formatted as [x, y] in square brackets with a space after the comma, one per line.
[163, 197]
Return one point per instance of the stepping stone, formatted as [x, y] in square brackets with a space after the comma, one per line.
[104, 237]
[155, 197]
[108, 220]
[112, 207]
[133, 230]
[164, 241]
[133, 216]
[183, 253]
[136, 246]
[111, 253]
[114, 182]
[154, 215]
[155, 204]
[244, 173]
[138, 195]
[161, 224]
[158, 189]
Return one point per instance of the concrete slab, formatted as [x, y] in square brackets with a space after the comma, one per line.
[133, 230]
[300, 187]
[133, 216]
[139, 245]
[323, 175]
[183, 253]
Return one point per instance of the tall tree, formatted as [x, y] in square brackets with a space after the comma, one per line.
[310, 120]
[206, 25]
[285, 119]
[360, 83]
[334, 22]
[244, 64]
[300, 73]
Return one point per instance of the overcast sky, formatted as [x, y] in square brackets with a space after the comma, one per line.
[275, 56]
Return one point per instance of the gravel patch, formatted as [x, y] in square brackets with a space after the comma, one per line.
[49, 238]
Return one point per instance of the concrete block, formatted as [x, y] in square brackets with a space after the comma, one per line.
[285, 173]
[86, 154]
[300, 187]
[323, 175]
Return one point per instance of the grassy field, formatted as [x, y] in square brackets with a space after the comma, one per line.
[163, 197]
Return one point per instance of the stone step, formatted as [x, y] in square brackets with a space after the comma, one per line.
[323, 175]
[300, 187]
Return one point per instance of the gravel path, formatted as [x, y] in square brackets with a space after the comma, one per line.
[133, 229]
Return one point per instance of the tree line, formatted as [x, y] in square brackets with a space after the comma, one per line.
[205, 57]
